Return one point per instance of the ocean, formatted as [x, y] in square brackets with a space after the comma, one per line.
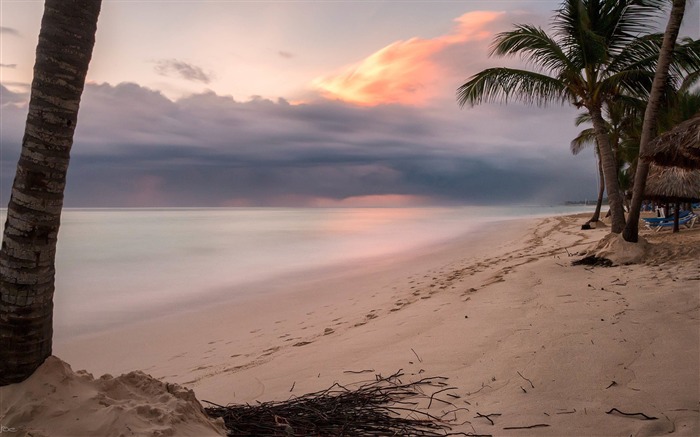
[118, 266]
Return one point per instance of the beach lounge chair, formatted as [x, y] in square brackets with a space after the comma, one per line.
[656, 220]
[688, 221]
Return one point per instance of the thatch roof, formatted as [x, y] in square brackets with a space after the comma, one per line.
[679, 147]
[672, 184]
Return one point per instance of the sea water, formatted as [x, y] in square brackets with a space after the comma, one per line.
[118, 266]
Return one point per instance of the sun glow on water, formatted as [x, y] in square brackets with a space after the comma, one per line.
[116, 266]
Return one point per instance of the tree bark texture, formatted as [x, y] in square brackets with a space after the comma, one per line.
[607, 159]
[601, 187]
[28, 250]
[631, 232]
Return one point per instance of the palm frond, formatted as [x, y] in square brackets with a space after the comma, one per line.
[635, 18]
[504, 84]
[534, 46]
[640, 54]
[690, 81]
[682, 106]
[686, 57]
[634, 82]
[584, 139]
[604, 27]
[575, 28]
[641, 58]
[626, 106]
[583, 118]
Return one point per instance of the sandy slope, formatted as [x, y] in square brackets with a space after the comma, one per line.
[520, 333]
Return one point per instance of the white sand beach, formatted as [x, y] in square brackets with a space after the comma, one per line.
[523, 336]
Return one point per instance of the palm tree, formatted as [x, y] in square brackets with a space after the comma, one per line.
[621, 120]
[27, 256]
[584, 139]
[631, 231]
[624, 117]
[594, 55]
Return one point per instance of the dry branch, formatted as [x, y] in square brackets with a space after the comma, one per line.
[531, 384]
[378, 408]
[615, 410]
[537, 425]
[487, 416]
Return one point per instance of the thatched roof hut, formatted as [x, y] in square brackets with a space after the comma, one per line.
[672, 184]
[679, 147]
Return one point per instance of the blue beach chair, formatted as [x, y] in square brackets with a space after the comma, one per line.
[688, 221]
[656, 220]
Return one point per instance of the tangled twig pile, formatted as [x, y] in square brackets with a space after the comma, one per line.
[384, 407]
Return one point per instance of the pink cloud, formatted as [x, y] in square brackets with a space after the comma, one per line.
[404, 72]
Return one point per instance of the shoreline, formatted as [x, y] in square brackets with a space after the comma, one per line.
[108, 295]
[304, 278]
[516, 329]
[295, 293]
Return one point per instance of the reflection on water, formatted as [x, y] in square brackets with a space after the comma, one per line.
[115, 265]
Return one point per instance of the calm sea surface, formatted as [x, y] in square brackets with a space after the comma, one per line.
[115, 266]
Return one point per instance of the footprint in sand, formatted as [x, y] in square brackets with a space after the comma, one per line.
[270, 351]
[200, 368]
[177, 356]
[302, 343]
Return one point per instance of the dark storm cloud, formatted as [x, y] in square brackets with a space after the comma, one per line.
[8, 31]
[134, 147]
[8, 97]
[184, 70]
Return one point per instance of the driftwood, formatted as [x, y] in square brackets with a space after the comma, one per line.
[537, 425]
[645, 417]
[383, 407]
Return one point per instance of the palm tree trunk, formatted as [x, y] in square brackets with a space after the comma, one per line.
[28, 251]
[609, 170]
[631, 232]
[601, 188]
[677, 217]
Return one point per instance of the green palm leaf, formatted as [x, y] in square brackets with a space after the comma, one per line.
[640, 54]
[534, 46]
[583, 140]
[503, 84]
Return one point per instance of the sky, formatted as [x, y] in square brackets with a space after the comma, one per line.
[298, 103]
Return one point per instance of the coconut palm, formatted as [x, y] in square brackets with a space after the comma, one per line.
[624, 117]
[27, 256]
[584, 139]
[631, 231]
[594, 54]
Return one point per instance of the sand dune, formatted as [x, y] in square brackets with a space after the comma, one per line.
[56, 401]
[532, 344]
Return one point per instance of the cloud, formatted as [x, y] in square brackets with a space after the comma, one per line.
[8, 97]
[404, 72]
[135, 147]
[285, 54]
[8, 31]
[8, 65]
[184, 70]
